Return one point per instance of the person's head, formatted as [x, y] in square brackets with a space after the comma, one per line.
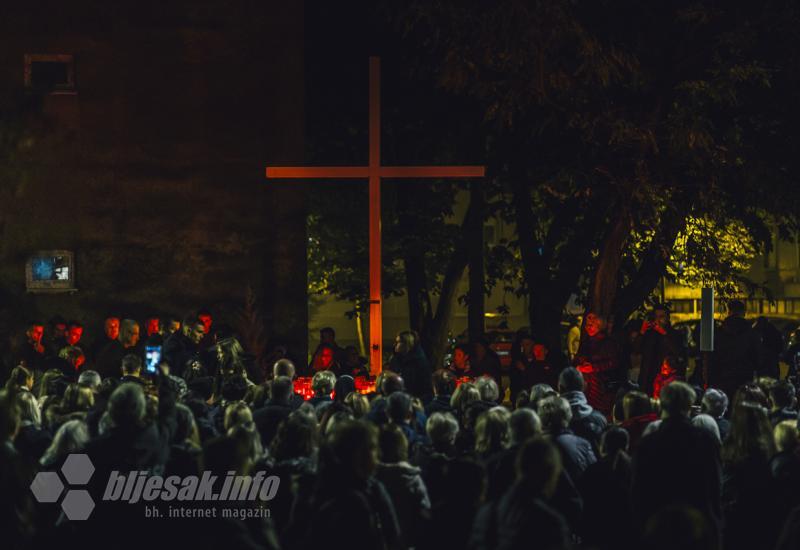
[34, 332]
[129, 333]
[707, 423]
[131, 365]
[614, 440]
[205, 318]
[594, 324]
[21, 378]
[677, 399]
[358, 403]
[353, 444]
[152, 325]
[480, 348]
[391, 383]
[90, 379]
[234, 388]
[540, 351]
[127, 405]
[29, 409]
[464, 394]
[193, 328]
[750, 436]
[555, 413]
[323, 382]
[351, 357]
[405, 342]
[786, 436]
[297, 437]
[111, 328]
[461, 356]
[399, 407]
[538, 467]
[525, 346]
[58, 326]
[173, 325]
[491, 431]
[229, 355]
[323, 359]
[488, 389]
[636, 403]
[442, 429]
[281, 390]
[74, 333]
[71, 437]
[283, 367]
[524, 424]
[715, 402]
[782, 395]
[540, 392]
[327, 335]
[48, 382]
[444, 383]
[393, 444]
[77, 398]
[9, 416]
[660, 315]
[570, 380]
[237, 413]
[73, 355]
[668, 366]
[736, 308]
[751, 392]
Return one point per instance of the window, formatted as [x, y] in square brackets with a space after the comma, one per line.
[50, 74]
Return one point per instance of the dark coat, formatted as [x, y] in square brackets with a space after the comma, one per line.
[268, 418]
[440, 404]
[677, 465]
[576, 453]
[605, 488]
[519, 520]
[654, 347]
[409, 495]
[178, 350]
[32, 442]
[416, 372]
[736, 357]
[586, 422]
[602, 353]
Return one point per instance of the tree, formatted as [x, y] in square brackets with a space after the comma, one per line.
[626, 138]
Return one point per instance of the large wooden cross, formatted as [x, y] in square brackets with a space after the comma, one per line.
[374, 172]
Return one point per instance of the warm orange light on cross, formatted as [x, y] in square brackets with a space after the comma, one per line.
[374, 172]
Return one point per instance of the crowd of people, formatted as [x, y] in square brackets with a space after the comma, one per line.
[544, 453]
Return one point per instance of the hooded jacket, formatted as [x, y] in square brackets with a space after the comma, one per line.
[586, 422]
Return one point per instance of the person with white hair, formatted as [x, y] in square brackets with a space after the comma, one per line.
[576, 452]
[715, 403]
[71, 437]
[90, 379]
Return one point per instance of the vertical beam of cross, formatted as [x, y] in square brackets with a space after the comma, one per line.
[374, 172]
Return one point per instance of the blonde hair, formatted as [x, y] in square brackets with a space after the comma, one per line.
[491, 431]
[358, 403]
[785, 434]
[236, 414]
[465, 394]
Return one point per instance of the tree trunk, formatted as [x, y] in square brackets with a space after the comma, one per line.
[605, 281]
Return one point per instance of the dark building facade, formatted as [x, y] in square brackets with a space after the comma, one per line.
[148, 128]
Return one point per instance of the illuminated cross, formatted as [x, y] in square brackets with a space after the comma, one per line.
[374, 172]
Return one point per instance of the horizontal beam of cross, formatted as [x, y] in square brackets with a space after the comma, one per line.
[356, 172]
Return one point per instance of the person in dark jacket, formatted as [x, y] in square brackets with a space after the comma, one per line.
[771, 347]
[576, 452]
[410, 363]
[276, 410]
[783, 402]
[676, 464]
[605, 488]
[522, 518]
[109, 360]
[484, 361]
[715, 404]
[586, 422]
[737, 354]
[658, 341]
[183, 344]
[598, 360]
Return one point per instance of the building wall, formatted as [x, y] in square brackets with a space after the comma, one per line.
[152, 172]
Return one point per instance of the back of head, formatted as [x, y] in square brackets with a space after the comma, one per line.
[442, 429]
[390, 383]
[71, 437]
[399, 407]
[614, 440]
[237, 413]
[344, 385]
[556, 414]
[782, 395]
[570, 380]
[715, 402]
[131, 364]
[443, 382]
[539, 466]
[488, 389]
[281, 390]
[90, 379]
[234, 387]
[736, 308]
[297, 437]
[350, 445]
[524, 424]
[750, 436]
[636, 403]
[127, 405]
[392, 444]
[323, 382]
[677, 399]
[283, 367]
[539, 392]
[491, 431]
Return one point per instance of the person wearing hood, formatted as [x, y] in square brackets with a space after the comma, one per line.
[738, 351]
[586, 422]
[403, 482]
